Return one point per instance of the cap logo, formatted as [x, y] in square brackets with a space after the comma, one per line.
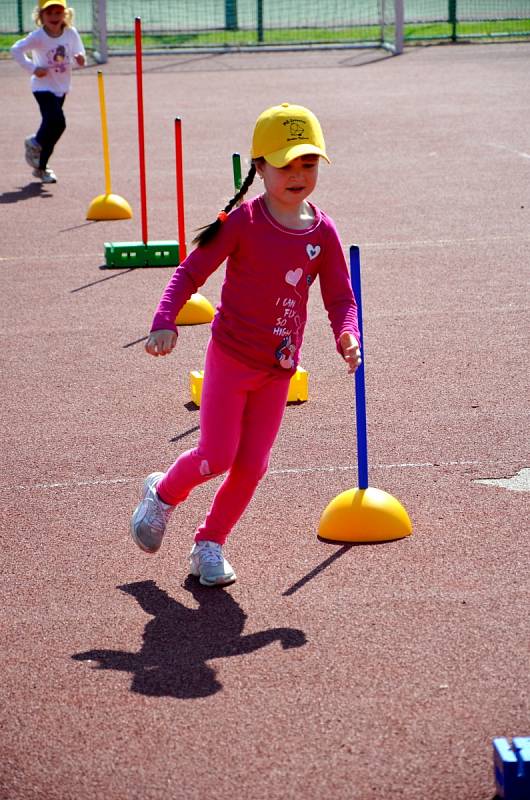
[296, 130]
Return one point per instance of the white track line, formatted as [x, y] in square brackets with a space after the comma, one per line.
[516, 483]
[473, 240]
[509, 149]
[405, 465]
[271, 473]
[50, 258]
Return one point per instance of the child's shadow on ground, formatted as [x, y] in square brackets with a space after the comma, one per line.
[32, 189]
[179, 641]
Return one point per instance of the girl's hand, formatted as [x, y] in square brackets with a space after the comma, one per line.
[160, 343]
[80, 59]
[40, 72]
[351, 351]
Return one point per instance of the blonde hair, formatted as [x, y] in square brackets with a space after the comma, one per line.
[68, 17]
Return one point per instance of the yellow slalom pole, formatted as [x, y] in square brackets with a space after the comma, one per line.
[108, 205]
[104, 131]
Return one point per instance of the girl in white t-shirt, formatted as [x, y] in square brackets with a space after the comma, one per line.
[54, 47]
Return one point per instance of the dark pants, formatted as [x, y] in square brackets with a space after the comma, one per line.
[52, 126]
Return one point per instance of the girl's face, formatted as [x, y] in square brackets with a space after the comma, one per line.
[53, 19]
[290, 185]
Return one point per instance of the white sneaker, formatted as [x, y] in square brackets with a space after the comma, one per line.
[45, 175]
[32, 151]
[150, 517]
[209, 565]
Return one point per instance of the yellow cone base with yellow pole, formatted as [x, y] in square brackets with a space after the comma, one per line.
[364, 515]
[109, 206]
[197, 311]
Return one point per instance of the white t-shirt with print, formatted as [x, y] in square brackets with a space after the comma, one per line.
[56, 54]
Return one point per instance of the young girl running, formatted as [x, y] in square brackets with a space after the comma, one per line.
[54, 46]
[276, 245]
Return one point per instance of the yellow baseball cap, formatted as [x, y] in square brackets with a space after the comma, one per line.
[45, 3]
[285, 132]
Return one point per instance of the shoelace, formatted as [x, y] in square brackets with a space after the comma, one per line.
[159, 515]
[211, 554]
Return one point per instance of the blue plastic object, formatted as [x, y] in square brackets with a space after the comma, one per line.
[511, 763]
[360, 391]
[363, 514]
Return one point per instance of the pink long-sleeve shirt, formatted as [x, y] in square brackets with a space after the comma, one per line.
[261, 317]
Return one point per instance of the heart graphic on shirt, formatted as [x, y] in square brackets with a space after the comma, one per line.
[312, 250]
[293, 276]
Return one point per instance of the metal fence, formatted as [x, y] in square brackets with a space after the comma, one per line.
[209, 24]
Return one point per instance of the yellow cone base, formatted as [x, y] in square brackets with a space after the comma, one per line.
[109, 206]
[297, 386]
[197, 311]
[364, 515]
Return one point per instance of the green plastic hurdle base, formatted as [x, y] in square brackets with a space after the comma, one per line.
[125, 255]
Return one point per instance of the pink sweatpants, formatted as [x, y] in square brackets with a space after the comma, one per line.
[241, 413]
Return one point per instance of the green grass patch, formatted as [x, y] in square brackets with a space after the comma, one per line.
[7, 39]
[514, 28]
[249, 37]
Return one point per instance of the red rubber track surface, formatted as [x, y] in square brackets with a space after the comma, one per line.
[349, 672]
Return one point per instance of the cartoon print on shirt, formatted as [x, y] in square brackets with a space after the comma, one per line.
[285, 353]
[287, 348]
[60, 54]
[58, 58]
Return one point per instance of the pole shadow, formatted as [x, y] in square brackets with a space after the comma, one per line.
[346, 546]
[365, 57]
[101, 280]
[82, 225]
[179, 641]
[180, 436]
[136, 341]
[318, 569]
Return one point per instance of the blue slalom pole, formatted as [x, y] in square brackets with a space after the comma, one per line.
[360, 393]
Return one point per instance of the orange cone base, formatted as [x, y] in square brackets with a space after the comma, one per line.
[197, 311]
[109, 206]
[364, 515]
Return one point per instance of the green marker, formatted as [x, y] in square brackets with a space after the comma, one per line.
[236, 167]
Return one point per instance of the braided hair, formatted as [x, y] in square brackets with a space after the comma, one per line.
[207, 233]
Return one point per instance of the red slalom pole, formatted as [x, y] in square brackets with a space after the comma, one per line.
[141, 140]
[180, 189]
